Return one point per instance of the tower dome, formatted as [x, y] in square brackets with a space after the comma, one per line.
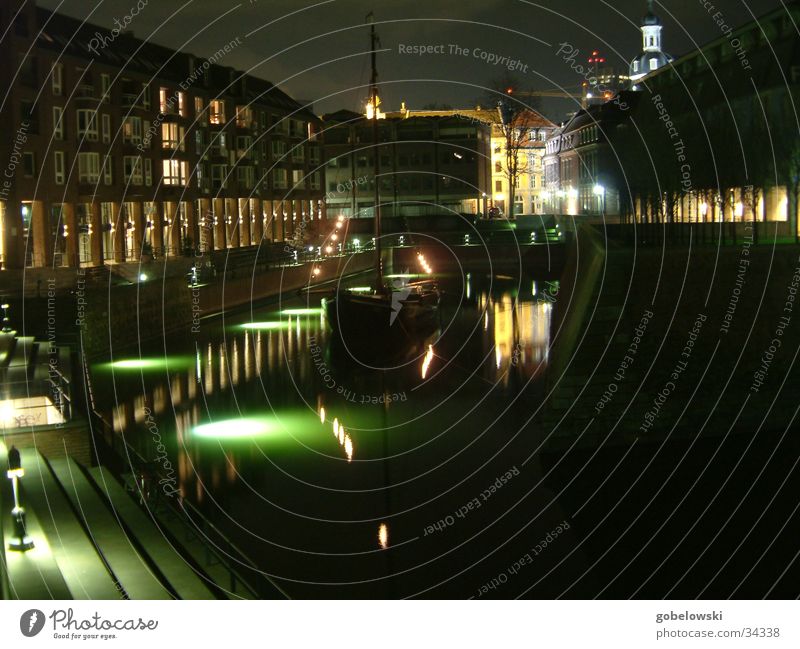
[652, 57]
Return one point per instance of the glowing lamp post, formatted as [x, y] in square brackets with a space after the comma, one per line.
[21, 541]
[6, 321]
[600, 192]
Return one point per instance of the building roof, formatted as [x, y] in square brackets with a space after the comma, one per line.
[69, 36]
[662, 60]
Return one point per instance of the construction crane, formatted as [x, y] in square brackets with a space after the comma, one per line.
[558, 94]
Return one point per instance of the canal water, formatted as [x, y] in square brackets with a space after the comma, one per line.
[418, 476]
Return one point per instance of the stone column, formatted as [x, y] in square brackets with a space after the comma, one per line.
[234, 227]
[220, 238]
[173, 222]
[96, 236]
[157, 219]
[268, 220]
[71, 228]
[191, 224]
[138, 229]
[278, 217]
[258, 221]
[13, 240]
[206, 225]
[42, 240]
[244, 222]
[119, 224]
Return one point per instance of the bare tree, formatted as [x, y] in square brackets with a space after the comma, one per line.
[518, 123]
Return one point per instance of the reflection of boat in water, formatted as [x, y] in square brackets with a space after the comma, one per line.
[364, 319]
[370, 341]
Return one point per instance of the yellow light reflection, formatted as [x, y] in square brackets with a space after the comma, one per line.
[383, 536]
[426, 362]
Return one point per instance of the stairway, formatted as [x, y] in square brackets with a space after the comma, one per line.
[92, 540]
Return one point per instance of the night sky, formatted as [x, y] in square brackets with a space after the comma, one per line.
[273, 34]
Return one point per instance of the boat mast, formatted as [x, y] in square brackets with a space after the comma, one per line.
[376, 212]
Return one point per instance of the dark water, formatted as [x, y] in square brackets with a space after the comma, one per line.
[433, 476]
[340, 480]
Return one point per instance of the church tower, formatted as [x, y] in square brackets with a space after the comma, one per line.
[652, 56]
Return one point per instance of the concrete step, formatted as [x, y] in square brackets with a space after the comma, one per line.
[197, 548]
[22, 353]
[132, 571]
[84, 572]
[183, 579]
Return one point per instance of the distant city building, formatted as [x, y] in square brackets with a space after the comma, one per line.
[578, 161]
[120, 147]
[487, 126]
[652, 57]
[604, 82]
[431, 162]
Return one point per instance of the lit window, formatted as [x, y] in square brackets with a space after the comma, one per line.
[217, 111]
[244, 116]
[298, 178]
[165, 102]
[654, 64]
[132, 130]
[200, 111]
[182, 104]
[175, 172]
[172, 137]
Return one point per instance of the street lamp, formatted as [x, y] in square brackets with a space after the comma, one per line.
[600, 192]
[21, 541]
[6, 321]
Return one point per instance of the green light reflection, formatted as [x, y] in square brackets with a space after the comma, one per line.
[301, 311]
[149, 364]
